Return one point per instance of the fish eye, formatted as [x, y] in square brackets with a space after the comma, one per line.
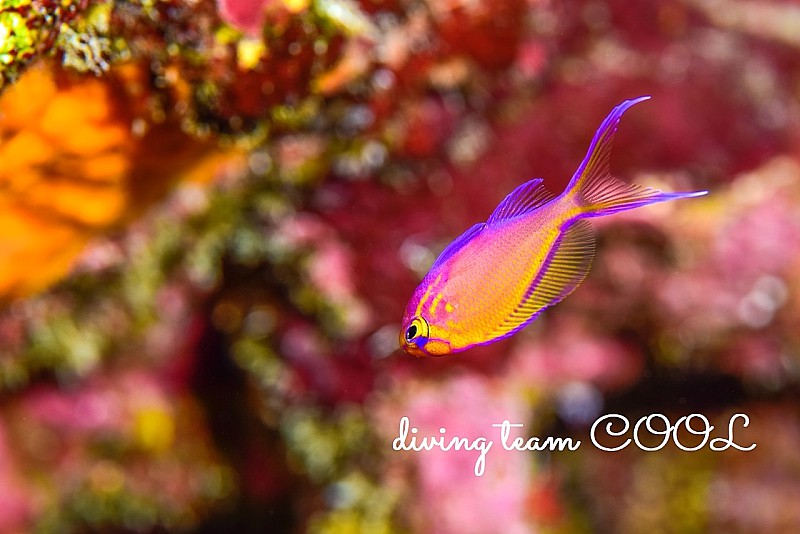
[417, 329]
[411, 332]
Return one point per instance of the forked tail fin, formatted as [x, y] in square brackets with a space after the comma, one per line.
[596, 190]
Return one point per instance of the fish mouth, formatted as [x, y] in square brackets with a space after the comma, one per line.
[430, 347]
[414, 350]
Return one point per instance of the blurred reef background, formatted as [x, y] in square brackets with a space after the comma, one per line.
[212, 215]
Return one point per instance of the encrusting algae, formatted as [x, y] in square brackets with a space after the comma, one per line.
[30, 28]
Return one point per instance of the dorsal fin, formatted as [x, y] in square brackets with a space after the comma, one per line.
[569, 262]
[458, 243]
[526, 197]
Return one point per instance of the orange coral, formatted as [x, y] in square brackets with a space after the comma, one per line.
[73, 166]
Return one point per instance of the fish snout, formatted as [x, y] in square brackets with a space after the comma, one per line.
[422, 346]
[412, 349]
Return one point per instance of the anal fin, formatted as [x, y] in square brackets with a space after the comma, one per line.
[567, 266]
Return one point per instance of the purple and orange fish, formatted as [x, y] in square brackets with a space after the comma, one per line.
[533, 251]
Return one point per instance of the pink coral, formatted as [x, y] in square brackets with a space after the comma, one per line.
[15, 501]
[246, 15]
[571, 352]
[449, 497]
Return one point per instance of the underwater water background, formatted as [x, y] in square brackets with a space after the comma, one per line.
[212, 215]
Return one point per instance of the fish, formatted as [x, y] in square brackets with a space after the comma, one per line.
[532, 252]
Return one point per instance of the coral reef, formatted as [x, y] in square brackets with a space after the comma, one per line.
[213, 214]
